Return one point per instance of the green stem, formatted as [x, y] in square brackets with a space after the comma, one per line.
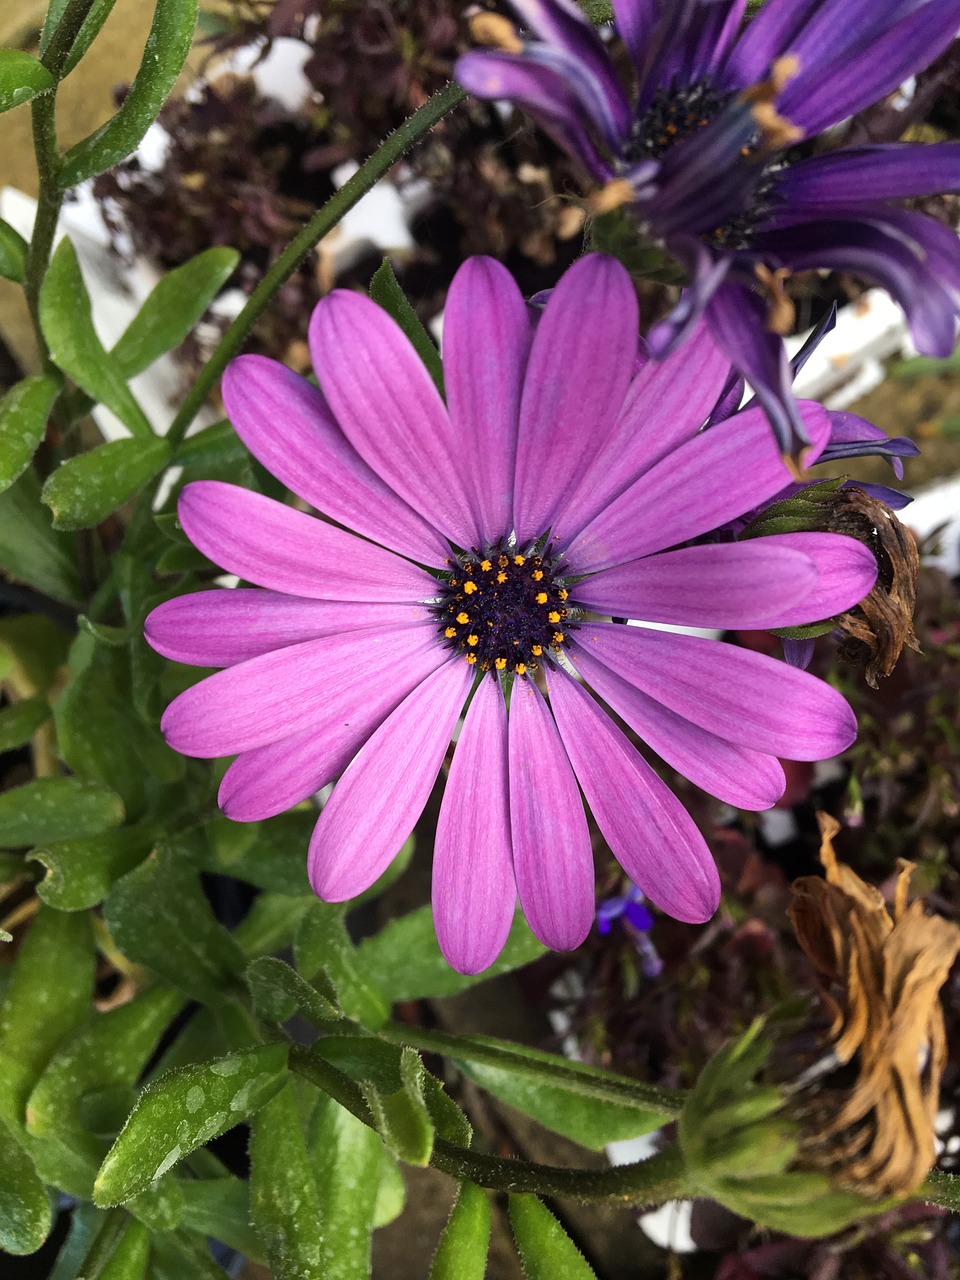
[589, 1082]
[322, 222]
[652, 1182]
[103, 1244]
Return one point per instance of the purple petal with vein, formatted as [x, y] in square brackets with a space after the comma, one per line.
[389, 409]
[474, 892]
[552, 855]
[220, 628]
[722, 584]
[486, 342]
[894, 171]
[737, 775]
[737, 694]
[274, 546]
[647, 828]
[278, 693]
[581, 364]
[846, 572]
[287, 425]
[381, 794]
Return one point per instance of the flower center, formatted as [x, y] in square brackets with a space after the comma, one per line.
[504, 608]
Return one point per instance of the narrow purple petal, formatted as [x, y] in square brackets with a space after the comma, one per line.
[846, 572]
[635, 22]
[894, 171]
[799, 653]
[772, 32]
[380, 796]
[721, 584]
[279, 693]
[389, 409]
[854, 437]
[739, 776]
[274, 546]
[474, 892]
[737, 694]
[894, 499]
[712, 36]
[582, 361]
[287, 425]
[715, 477]
[706, 273]
[552, 856]
[486, 342]
[219, 628]
[267, 780]
[647, 828]
[666, 405]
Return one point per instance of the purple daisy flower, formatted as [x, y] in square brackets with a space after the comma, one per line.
[555, 485]
[701, 152]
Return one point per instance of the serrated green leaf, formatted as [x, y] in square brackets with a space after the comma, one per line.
[81, 872]
[24, 411]
[130, 1255]
[278, 992]
[220, 1208]
[21, 721]
[22, 77]
[546, 1251]
[402, 1118]
[25, 1216]
[346, 1163]
[166, 51]
[159, 916]
[182, 1111]
[84, 490]
[407, 960]
[173, 307]
[385, 290]
[13, 253]
[284, 1201]
[462, 1251]
[322, 943]
[30, 550]
[54, 808]
[66, 318]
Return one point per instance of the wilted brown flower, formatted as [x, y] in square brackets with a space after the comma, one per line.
[878, 628]
[866, 1108]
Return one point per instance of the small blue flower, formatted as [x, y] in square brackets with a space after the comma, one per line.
[631, 910]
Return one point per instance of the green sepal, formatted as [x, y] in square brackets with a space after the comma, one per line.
[616, 233]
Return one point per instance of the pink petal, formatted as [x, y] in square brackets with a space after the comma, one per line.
[390, 411]
[377, 802]
[552, 856]
[220, 628]
[287, 425]
[647, 828]
[474, 892]
[846, 571]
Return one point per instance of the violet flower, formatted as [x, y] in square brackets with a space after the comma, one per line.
[549, 489]
[702, 153]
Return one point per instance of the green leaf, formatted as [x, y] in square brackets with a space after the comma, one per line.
[66, 318]
[48, 995]
[220, 1207]
[13, 253]
[81, 872]
[22, 77]
[386, 291]
[160, 917]
[106, 1053]
[130, 1255]
[322, 943]
[278, 992]
[182, 1111]
[271, 923]
[54, 808]
[85, 1222]
[21, 721]
[215, 446]
[30, 551]
[462, 1252]
[269, 854]
[284, 1201]
[391, 1191]
[172, 309]
[181, 1254]
[546, 1251]
[25, 1216]
[159, 1206]
[403, 1120]
[406, 958]
[84, 490]
[88, 33]
[346, 1162]
[163, 57]
[24, 411]
[33, 650]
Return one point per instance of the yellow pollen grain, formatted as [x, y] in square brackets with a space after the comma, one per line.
[500, 663]
[563, 593]
[519, 560]
[471, 658]
[470, 588]
[558, 637]
[501, 577]
[521, 668]
[537, 575]
[541, 597]
[463, 618]
[486, 566]
[553, 616]
[503, 561]
[536, 650]
[473, 640]
[450, 632]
